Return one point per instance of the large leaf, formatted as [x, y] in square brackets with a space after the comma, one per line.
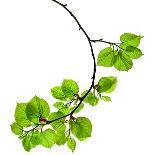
[20, 115]
[70, 88]
[58, 125]
[133, 52]
[71, 143]
[106, 57]
[58, 93]
[81, 127]
[37, 108]
[36, 138]
[129, 39]
[107, 84]
[61, 139]
[90, 98]
[123, 62]
[16, 129]
[48, 138]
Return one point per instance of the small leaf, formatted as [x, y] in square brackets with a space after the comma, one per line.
[61, 139]
[107, 84]
[20, 115]
[78, 109]
[70, 88]
[81, 127]
[16, 129]
[37, 108]
[27, 143]
[106, 57]
[129, 39]
[106, 98]
[36, 138]
[48, 138]
[71, 143]
[133, 52]
[123, 62]
[58, 125]
[90, 98]
[58, 93]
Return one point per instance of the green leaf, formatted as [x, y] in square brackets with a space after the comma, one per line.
[58, 93]
[27, 143]
[16, 129]
[133, 52]
[20, 115]
[129, 39]
[90, 98]
[81, 127]
[78, 109]
[48, 138]
[106, 98]
[37, 108]
[58, 125]
[36, 138]
[107, 84]
[71, 143]
[61, 139]
[70, 88]
[59, 105]
[106, 57]
[123, 62]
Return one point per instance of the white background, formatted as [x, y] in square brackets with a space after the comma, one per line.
[40, 45]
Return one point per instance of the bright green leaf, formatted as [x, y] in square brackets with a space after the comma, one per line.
[27, 143]
[70, 88]
[71, 143]
[16, 129]
[106, 98]
[123, 62]
[106, 57]
[37, 108]
[59, 105]
[78, 109]
[20, 115]
[81, 127]
[48, 138]
[90, 98]
[58, 125]
[58, 93]
[129, 39]
[36, 138]
[107, 84]
[133, 52]
[61, 139]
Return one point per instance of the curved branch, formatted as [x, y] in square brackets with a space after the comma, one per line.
[93, 56]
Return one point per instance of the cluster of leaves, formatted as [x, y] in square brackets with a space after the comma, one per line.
[121, 57]
[32, 117]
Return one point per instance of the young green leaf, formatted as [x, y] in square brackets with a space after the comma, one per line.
[129, 39]
[133, 52]
[123, 62]
[71, 143]
[106, 57]
[70, 88]
[36, 138]
[90, 98]
[58, 125]
[58, 93]
[16, 129]
[48, 138]
[27, 143]
[59, 105]
[107, 84]
[78, 109]
[106, 98]
[61, 139]
[81, 127]
[37, 108]
[20, 115]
